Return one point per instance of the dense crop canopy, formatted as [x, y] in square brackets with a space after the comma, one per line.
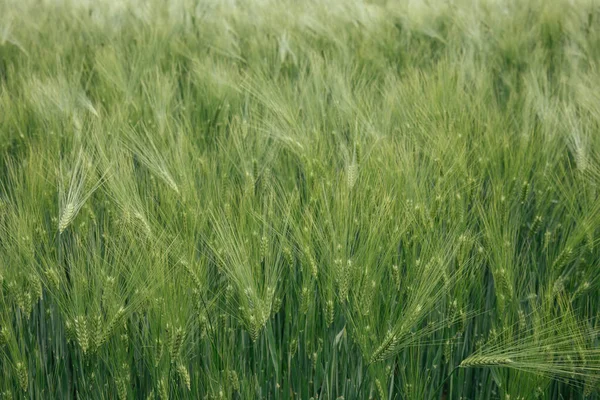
[262, 199]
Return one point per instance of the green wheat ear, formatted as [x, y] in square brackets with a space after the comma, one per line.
[73, 197]
[23, 376]
[67, 215]
[478, 361]
[385, 349]
[184, 376]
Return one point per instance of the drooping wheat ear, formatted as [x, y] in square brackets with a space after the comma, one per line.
[385, 349]
[22, 375]
[66, 217]
[184, 375]
[484, 361]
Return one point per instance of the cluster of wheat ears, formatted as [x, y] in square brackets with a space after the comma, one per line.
[260, 199]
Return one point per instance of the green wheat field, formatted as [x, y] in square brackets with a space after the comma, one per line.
[319, 199]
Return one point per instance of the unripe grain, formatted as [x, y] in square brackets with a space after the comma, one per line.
[352, 174]
[81, 333]
[66, 217]
[163, 390]
[482, 361]
[563, 258]
[380, 390]
[232, 376]
[524, 192]
[396, 276]
[184, 375]
[176, 341]
[385, 349]
[23, 376]
[329, 312]
[535, 225]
